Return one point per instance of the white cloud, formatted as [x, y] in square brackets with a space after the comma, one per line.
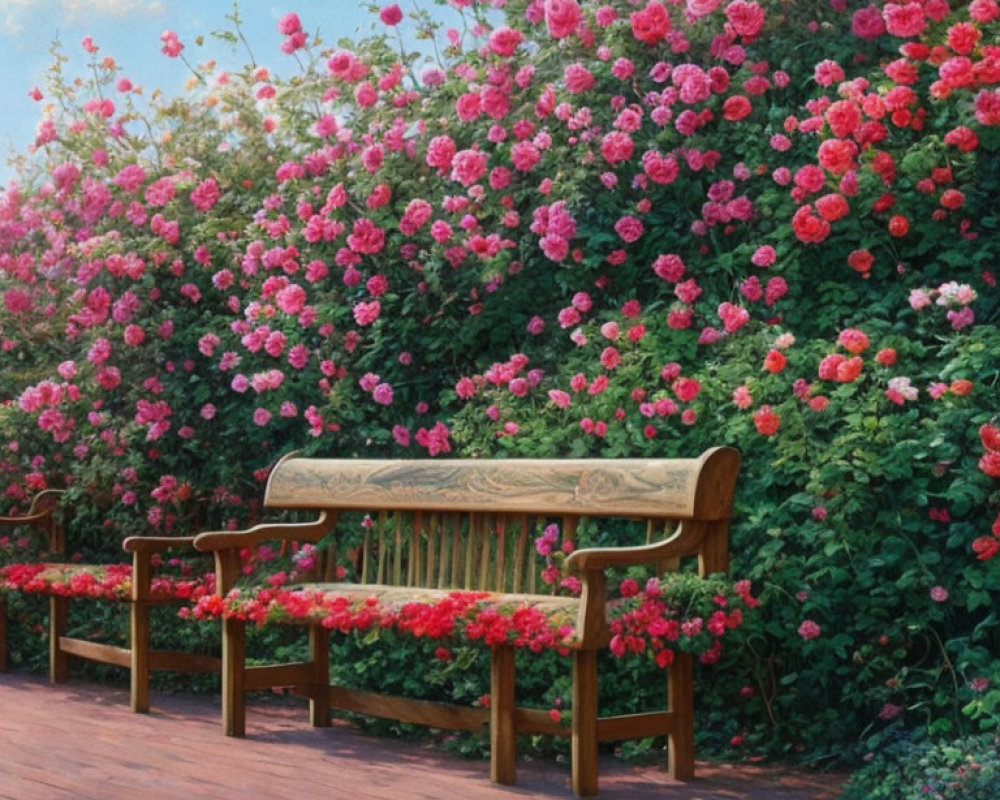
[16, 16]
[117, 9]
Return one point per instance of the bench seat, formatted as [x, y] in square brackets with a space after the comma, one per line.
[99, 581]
[537, 621]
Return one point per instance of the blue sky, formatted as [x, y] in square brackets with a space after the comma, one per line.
[129, 31]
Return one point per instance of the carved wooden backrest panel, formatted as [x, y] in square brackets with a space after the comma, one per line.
[472, 524]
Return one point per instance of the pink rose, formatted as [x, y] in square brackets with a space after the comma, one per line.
[391, 15]
[562, 17]
[809, 629]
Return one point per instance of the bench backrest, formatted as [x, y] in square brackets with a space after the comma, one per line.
[471, 524]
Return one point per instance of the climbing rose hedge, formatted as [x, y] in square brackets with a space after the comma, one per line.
[574, 228]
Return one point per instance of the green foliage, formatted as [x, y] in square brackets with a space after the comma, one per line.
[967, 768]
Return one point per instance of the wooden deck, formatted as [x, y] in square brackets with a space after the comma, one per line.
[78, 741]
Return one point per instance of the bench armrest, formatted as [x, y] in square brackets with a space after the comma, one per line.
[684, 542]
[156, 544]
[42, 516]
[27, 519]
[143, 548]
[214, 541]
[590, 564]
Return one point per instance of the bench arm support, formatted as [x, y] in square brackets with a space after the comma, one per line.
[157, 544]
[692, 537]
[27, 519]
[214, 541]
[42, 515]
[686, 541]
[142, 549]
[226, 545]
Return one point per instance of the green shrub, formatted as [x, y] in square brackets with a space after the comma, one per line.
[959, 769]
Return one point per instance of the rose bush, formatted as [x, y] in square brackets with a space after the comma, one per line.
[577, 228]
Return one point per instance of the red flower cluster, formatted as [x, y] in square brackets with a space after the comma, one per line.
[347, 609]
[655, 622]
[650, 621]
[986, 547]
[109, 582]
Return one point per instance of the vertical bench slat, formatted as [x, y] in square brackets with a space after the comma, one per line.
[470, 547]
[524, 561]
[456, 550]
[443, 556]
[397, 554]
[381, 574]
[412, 557]
[433, 530]
[569, 526]
[330, 561]
[420, 529]
[365, 549]
[532, 581]
[327, 566]
[485, 543]
[501, 559]
[520, 550]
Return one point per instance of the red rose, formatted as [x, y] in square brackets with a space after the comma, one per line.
[651, 24]
[989, 434]
[736, 108]
[990, 464]
[899, 226]
[766, 421]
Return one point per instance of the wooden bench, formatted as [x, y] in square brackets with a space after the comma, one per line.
[471, 524]
[134, 584]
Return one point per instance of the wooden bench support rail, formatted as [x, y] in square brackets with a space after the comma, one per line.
[445, 716]
[527, 721]
[635, 726]
[95, 651]
[179, 661]
[537, 722]
[299, 673]
[166, 660]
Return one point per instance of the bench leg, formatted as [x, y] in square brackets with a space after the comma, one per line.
[319, 692]
[139, 656]
[584, 741]
[58, 660]
[3, 633]
[680, 701]
[233, 677]
[503, 734]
